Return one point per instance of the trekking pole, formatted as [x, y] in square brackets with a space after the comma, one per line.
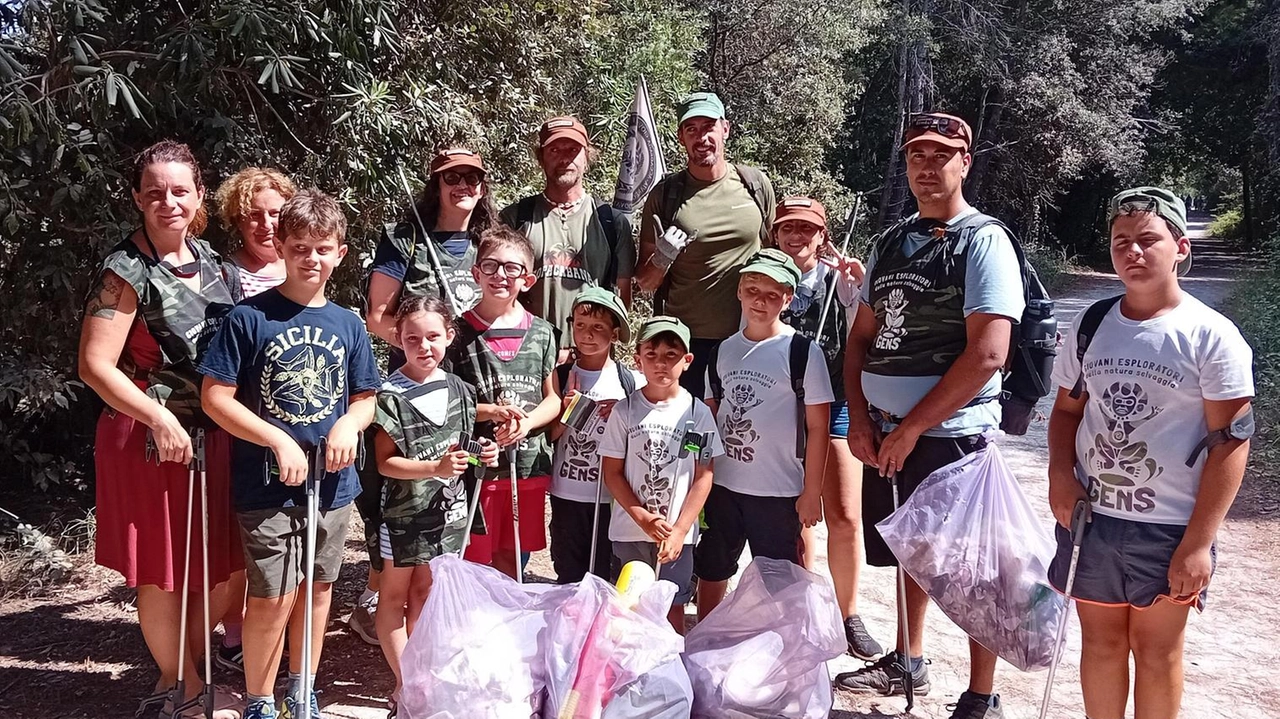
[177, 700]
[203, 465]
[431, 249]
[851, 222]
[908, 679]
[314, 477]
[595, 527]
[1081, 515]
[473, 448]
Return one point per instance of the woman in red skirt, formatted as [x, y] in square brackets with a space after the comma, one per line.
[158, 297]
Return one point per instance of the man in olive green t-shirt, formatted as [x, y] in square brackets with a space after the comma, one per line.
[578, 241]
[698, 228]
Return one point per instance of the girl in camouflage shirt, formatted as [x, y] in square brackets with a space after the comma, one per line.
[422, 412]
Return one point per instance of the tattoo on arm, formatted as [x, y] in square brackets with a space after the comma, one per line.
[106, 297]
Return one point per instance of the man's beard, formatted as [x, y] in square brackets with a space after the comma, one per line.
[565, 179]
[708, 159]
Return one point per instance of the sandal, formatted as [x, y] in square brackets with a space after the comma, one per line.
[153, 706]
[226, 705]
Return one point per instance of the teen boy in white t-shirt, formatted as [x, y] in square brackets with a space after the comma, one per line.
[657, 448]
[763, 490]
[1164, 378]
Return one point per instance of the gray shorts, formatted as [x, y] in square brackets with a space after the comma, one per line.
[679, 572]
[1122, 562]
[274, 551]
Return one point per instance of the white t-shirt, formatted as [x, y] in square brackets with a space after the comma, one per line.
[757, 417]
[433, 405]
[575, 469]
[1147, 382]
[649, 438]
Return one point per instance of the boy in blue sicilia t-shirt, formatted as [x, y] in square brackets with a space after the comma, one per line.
[287, 373]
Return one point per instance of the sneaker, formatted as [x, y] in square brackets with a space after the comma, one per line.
[260, 710]
[861, 644]
[230, 658]
[970, 706]
[884, 677]
[361, 620]
[293, 707]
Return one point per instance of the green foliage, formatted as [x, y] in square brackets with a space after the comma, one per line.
[1255, 308]
[1228, 226]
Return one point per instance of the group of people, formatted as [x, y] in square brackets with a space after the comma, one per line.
[772, 367]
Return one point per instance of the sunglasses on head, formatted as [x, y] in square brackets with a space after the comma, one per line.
[510, 270]
[452, 178]
[945, 126]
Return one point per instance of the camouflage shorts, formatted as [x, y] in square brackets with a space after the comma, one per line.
[422, 519]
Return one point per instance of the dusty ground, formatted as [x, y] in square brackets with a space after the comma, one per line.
[78, 653]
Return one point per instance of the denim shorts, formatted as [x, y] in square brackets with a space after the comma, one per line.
[840, 419]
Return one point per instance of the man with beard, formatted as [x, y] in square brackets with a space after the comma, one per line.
[698, 228]
[577, 240]
[942, 291]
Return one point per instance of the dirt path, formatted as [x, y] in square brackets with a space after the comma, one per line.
[79, 654]
[1231, 649]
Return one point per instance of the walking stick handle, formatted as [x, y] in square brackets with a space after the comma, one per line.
[1081, 515]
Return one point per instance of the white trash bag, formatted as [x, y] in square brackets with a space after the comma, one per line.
[477, 650]
[612, 655]
[970, 539]
[763, 652]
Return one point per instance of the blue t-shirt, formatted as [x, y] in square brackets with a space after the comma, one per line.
[296, 367]
[389, 260]
[993, 285]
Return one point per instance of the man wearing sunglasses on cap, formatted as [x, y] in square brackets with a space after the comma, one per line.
[942, 291]
[698, 228]
[578, 241]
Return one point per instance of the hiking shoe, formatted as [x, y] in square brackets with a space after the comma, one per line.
[293, 707]
[861, 644]
[260, 710]
[361, 620]
[884, 677]
[230, 658]
[971, 706]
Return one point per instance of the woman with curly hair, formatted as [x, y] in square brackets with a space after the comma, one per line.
[249, 205]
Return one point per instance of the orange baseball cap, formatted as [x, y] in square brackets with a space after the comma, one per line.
[455, 158]
[805, 209]
[565, 126]
[947, 130]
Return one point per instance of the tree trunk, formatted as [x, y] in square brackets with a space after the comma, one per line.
[984, 139]
[1246, 199]
[914, 84]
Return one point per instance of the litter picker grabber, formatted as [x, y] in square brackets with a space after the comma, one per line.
[431, 249]
[844, 251]
[315, 475]
[515, 513]
[904, 657]
[205, 698]
[472, 448]
[1081, 515]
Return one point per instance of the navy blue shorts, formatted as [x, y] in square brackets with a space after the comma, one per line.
[570, 531]
[770, 525]
[1122, 562]
[840, 419]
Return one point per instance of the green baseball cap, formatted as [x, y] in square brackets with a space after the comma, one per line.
[700, 104]
[658, 324]
[610, 301]
[1165, 204]
[774, 264]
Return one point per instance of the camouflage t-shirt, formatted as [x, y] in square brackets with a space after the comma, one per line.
[517, 381]
[182, 321]
[403, 255]
[424, 517]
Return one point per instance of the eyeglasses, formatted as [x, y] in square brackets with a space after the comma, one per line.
[510, 270]
[456, 178]
[945, 126]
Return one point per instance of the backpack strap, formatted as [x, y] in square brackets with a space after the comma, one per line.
[625, 378]
[754, 180]
[672, 197]
[524, 213]
[562, 375]
[1086, 328]
[798, 362]
[713, 373]
[608, 223]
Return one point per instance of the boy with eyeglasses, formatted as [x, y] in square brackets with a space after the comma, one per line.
[509, 355]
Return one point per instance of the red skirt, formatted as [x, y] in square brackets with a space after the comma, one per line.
[142, 509]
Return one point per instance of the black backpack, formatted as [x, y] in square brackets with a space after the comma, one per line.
[598, 263]
[625, 377]
[1034, 341]
[798, 363]
[1086, 327]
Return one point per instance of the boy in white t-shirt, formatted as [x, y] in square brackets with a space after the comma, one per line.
[1163, 379]
[657, 450]
[598, 319]
[769, 481]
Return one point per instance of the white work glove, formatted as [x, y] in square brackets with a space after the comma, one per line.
[669, 245]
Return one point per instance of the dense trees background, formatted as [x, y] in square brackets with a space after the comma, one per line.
[1068, 99]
